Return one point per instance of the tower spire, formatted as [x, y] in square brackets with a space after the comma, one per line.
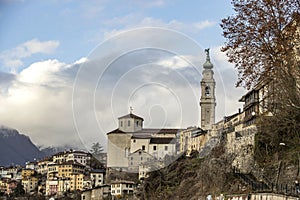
[207, 64]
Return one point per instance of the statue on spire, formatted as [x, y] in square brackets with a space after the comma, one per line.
[207, 53]
[207, 64]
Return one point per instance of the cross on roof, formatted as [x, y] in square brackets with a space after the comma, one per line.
[130, 109]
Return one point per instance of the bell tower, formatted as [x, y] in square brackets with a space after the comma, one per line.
[207, 99]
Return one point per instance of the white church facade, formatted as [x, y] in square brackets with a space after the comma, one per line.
[130, 140]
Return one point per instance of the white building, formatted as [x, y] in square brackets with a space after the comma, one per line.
[122, 187]
[72, 155]
[131, 137]
[97, 177]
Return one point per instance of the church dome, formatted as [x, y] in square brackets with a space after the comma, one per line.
[208, 64]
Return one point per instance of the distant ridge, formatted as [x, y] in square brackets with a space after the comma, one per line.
[16, 148]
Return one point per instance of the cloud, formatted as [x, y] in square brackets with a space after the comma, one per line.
[37, 102]
[146, 3]
[13, 58]
[133, 21]
[204, 24]
[77, 103]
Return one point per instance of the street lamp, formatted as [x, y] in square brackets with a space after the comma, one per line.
[279, 164]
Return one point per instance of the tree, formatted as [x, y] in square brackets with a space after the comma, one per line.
[263, 40]
[255, 39]
[19, 190]
[96, 149]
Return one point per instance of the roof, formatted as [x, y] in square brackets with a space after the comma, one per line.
[228, 118]
[142, 151]
[130, 115]
[97, 171]
[162, 140]
[147, 132]
[71, 162]
[116, 131]
[160, 130]
[141, 136]
[122, 181]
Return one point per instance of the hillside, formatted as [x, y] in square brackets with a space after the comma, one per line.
[194, 177]
[16, 148]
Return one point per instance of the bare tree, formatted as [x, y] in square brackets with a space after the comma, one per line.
[262, 39]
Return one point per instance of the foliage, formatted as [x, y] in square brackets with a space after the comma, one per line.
[255, 40]
[192, 177]
[96, 164]
[19, 190]
[96, 149]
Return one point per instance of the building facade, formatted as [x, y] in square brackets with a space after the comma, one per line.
[131, 137]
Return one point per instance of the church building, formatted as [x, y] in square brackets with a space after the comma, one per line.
[130, 138]
[132, 145]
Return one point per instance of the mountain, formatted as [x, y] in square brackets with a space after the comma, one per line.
[51, 150]
[16, 148]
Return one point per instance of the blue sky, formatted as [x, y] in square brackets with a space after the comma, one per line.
[44, 43]
[79, 26]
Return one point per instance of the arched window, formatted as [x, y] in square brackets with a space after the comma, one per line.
[207, 90]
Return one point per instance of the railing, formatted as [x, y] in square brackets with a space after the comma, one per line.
[260, 186]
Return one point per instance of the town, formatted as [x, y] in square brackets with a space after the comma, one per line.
[250, 154]
[138, 150]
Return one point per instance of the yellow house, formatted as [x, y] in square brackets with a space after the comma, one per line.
[3, 184]
[30, 184]
[68, 168]
[76, 181]
[27, 173]
[192, 138]
[64, 170]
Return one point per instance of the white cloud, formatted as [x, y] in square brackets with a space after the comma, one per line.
[147, 3]
[38, 102]
[204, 24]
[42, 72]
[13, 57]
[132, 21]
[176, 62]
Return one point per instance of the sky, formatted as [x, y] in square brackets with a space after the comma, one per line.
[70, 68]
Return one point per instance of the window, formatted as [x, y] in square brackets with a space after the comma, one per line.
[128, 122]
[154, 148]
[121, 123]
[134, 141]
[137, 123]
[141, 158]
[166, 148]
[143, 147]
